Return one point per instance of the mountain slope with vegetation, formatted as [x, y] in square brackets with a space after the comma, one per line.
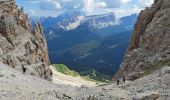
[63, 75]
[65, 70]
[91, 75]
[98, 42]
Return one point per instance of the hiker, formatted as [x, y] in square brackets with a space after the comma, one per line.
[124, 79]
[23, 69]
[117, 82]
[51, 72]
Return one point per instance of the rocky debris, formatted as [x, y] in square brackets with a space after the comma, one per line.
[165, 70]
[1, 52]
[135, 75]
[20, 45]
[17, 86]
[150, 86]
[150, 42]
[1, 75]
[147, 96]
[28, 87]
[155, 86]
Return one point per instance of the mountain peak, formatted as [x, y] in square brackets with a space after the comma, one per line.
[149, 47]
[101, 21]
[21, 47]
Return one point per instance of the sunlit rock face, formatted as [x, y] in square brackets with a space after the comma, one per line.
[77, 19]
[73, 24]
[20, 45]
[150, 42]
[101, 21]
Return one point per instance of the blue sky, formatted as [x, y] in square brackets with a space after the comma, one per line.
[90, 7]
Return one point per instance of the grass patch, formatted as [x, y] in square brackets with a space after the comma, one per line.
[65, 70]
[157, 66]
[88, 77]
[94, 75]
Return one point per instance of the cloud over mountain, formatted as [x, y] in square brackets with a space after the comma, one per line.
[89, 6]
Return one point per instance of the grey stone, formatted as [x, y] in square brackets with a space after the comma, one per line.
[20, 45]
[150, 42]
[135, 75]
[147, 96]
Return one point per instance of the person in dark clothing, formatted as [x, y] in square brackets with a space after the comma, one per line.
[23, 69]
[117, 82]
[124, 79]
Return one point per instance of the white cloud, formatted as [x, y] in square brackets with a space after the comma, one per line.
[135, 8]
[125, 1]
[121, 12]
[34, 2]
[32, 12]
[50, 5]
[146, 3]
[93, 6]
[82, 5]
[101, 4]
[90, 7]
[77, 6]
[57, 5]
[111, 3]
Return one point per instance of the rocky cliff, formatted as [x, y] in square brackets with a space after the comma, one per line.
[150, 45]
[20, 45]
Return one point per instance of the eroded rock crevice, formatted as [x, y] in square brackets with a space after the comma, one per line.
[20, 44]
[150, 40]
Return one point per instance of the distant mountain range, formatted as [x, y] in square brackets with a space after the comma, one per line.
[87, 43]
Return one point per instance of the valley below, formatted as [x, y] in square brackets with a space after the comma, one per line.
[97, 43]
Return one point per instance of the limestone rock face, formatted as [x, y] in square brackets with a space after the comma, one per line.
[20, 45]
[150, 42]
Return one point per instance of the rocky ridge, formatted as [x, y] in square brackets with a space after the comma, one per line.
[150, 45]
[20, 45]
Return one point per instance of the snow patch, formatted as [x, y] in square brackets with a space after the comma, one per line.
[74, 24]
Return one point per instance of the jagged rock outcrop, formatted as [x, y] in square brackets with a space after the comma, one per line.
[150, 45]
[20, 45]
